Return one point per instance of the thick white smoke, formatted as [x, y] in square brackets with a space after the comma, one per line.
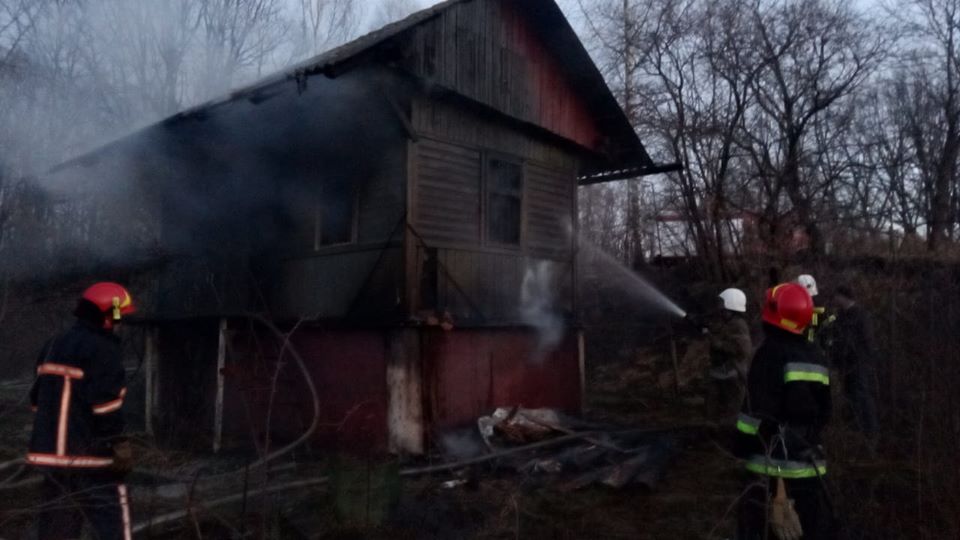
[538, 306]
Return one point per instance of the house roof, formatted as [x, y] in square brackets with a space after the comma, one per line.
[544, 15]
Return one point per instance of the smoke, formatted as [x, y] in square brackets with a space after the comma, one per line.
[233, 182]
[83, 74]
[75, 75]
[538, 306]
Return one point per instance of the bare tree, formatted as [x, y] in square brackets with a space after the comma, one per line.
[325, 24]
[238, 35]
[389, 11]
[934, 62]
[887, 187]
[683, 70]
[16, 19]
[815, 54]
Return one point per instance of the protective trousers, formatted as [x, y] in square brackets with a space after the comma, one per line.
[860, 387]
[69, 497]
[810, 502]
[724, 398]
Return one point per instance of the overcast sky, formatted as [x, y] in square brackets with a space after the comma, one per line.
[568, 6]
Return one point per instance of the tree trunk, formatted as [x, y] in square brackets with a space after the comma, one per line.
[942, 186]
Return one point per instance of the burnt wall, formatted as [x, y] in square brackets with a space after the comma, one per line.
[461, 267]
[218, 205]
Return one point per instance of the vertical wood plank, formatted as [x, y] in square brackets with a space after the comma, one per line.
[582, 362]
[575, 248]
[411, 250]
[218, 406]
[152, 382]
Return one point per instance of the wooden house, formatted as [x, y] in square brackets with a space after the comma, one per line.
[405, 206]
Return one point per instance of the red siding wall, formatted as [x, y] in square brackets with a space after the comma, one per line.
[557, 106]
[471, 371]
[467, 373]
[349, 371]
[490, 52]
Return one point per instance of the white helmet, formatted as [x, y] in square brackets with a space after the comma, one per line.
[808, 283]
[734, 300]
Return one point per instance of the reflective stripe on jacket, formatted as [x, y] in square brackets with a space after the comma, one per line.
[78, 398]
[787, 404]
[782, 468]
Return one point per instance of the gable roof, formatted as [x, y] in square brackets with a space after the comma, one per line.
[545, 15]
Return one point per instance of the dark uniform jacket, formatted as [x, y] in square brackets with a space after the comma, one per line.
[730, 345]
[77, 396]
[852, 345]
[787, 406]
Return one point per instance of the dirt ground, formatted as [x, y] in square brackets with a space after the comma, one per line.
[694, 500]
[687, 503]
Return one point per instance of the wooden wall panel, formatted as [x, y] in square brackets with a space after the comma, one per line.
[446, 205]
[361, 282]
[549, 211]
[382, 199]
[486, 286]
[447, 122]
[476, 281]
[489, 52]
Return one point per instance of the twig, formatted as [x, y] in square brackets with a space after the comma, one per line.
[731, 507]
[273, 385]
[33, 480]
[180, 514]
[516, 510]
[190, 506]
[16, 474]
[243, 506]
[307, 379]
[11, 463]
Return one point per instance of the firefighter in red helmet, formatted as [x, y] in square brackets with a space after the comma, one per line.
[77, 442]
[786, 408]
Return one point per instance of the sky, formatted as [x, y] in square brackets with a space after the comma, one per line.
[568, 6]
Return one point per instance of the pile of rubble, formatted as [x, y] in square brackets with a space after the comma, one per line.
[572, 452]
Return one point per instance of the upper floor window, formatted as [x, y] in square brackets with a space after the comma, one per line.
[335, 218]
[504, 201]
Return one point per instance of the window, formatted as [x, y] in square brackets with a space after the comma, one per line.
[335, 215]
[504, 201]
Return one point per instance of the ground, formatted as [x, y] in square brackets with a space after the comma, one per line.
[694, 499]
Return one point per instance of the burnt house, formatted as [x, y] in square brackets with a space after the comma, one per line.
[404, 204]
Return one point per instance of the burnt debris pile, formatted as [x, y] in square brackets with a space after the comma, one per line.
[565, 452]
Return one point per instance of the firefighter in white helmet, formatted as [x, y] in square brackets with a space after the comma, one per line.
[730, 351]
[808, 283]
[820, 318]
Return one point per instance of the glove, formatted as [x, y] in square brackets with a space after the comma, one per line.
[694, 322]
[122, 458]
[784, 520]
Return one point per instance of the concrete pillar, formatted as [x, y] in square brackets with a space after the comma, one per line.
[405, 387]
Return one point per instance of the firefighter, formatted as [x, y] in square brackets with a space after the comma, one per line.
[77, 442]
[730, 350]
[820, 320]
[786, 407]
[853, 354]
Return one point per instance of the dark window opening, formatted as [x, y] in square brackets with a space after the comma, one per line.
[335, 217]
[504, 201]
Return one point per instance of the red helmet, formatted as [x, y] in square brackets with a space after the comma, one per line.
[788, 306]
[110, 297]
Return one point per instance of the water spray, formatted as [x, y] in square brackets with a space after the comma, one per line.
[633, 282]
